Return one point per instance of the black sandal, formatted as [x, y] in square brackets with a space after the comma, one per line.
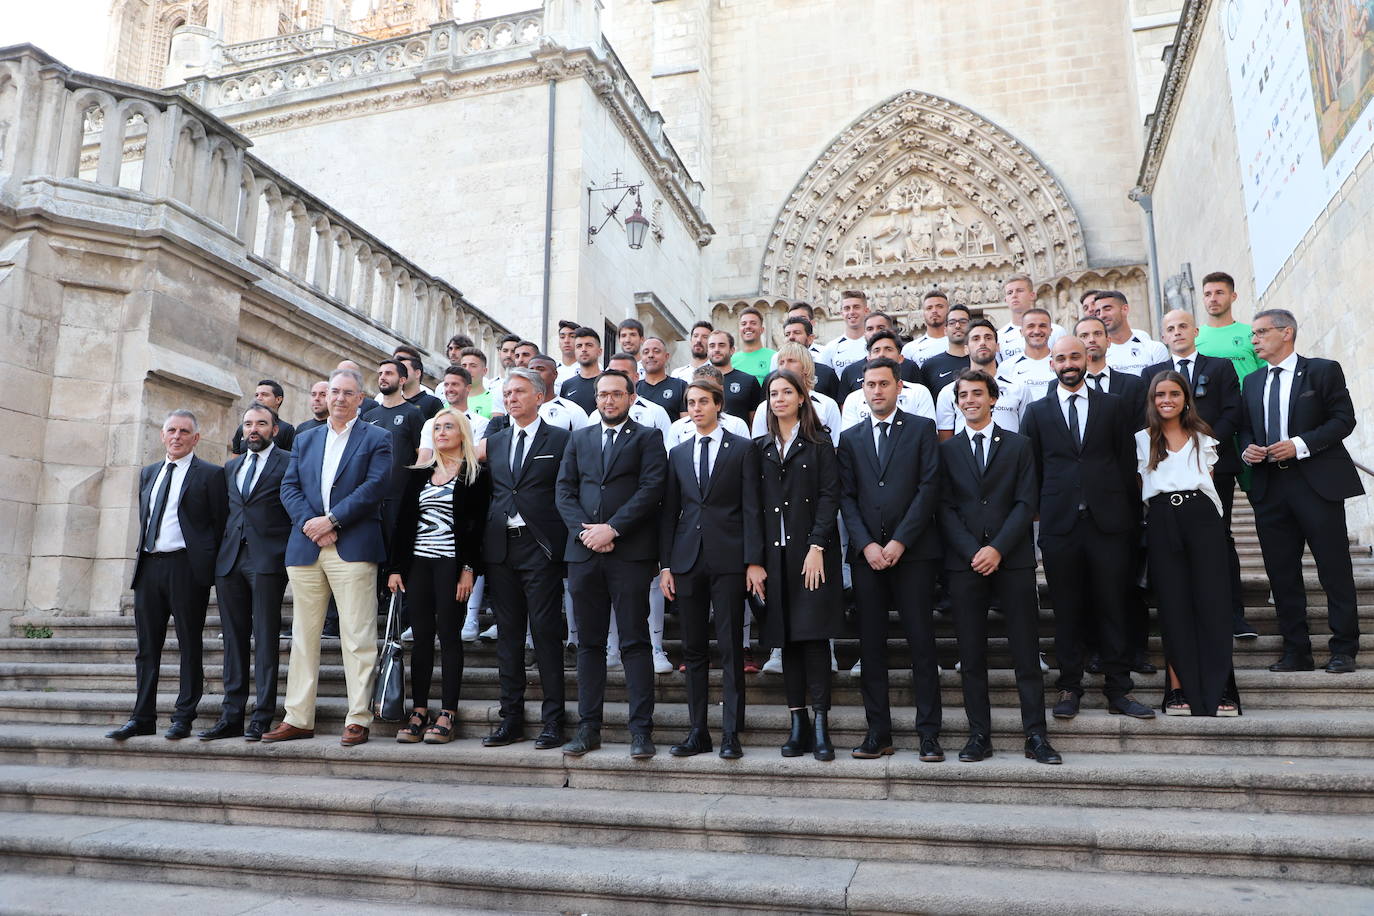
[441, 734]
[1176, 704]
[414, 730]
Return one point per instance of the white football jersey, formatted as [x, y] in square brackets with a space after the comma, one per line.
[1013, 344]
[913, 399]
[1035, 374]
[563, 413]
[1012, 400]
[1135, 354]
[842, 351]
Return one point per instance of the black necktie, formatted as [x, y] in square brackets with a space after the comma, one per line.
[704, 467]
[885, 441]
[1096, 380]
[248, 477]
[1273, 426]
[159, 509]
[1073, 422]
[1183, 371]
[606, 452]
[978, 457]
[519, 460]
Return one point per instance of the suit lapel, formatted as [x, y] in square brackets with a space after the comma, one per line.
[355, 438]
[535, 444]
[1057, 409]
[724, 453]
[618, 448]
[1299, 384]
[967, 452]
[231, 472]
[870, 446]
[1254, 402]
[994, 444]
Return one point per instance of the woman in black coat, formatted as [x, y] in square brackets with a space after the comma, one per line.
[436, 555]
[803, 589]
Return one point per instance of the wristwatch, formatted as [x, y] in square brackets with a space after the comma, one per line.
[332, 520]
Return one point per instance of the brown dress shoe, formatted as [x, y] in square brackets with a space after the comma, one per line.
[287, 732]
[353, 735]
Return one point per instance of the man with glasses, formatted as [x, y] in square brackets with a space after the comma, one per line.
[940, 369]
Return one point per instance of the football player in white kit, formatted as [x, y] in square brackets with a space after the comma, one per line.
[1018, 292]
[1032, 367]
[850, 346]
[1130, 350]
[1013, 397]
[696, 343]
[934, 310]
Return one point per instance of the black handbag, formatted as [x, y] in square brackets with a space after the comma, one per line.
[389, 685]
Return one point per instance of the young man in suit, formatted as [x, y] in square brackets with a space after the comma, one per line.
[711, 538]
[889, 469]
[987, 503]
[333, 491]
[1297, 412]
[181, 510]
[523, 550]
[1084, 449]
[250, 576]
[610, 484]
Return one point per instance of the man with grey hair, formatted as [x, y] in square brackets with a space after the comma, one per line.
[182, 507]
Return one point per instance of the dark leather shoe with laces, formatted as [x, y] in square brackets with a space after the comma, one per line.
[507, 732]
[873, 747]
[586, 739]
[1340, 664]
[287, 732]
[931, 752]
[1293, 663]
[979, 747]
[177, 731]
[132, 729]
[550, 738]
[1067, 707]
[642, 747]
[698, 741]
[730, 747]
[1038, 748]
[222, 729]
[1130, 706]
[254, 731]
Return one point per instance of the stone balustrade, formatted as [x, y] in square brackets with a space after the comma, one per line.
[245, 53]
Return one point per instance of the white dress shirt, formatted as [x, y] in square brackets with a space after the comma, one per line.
[684, 430]
[1180, 471]
[517, 520]
[334, 445]
[1081, 404]
[1290, 368]
[879, 433]
[913, 399]
[169, 536]
[987, 442]
[715, 437]
[257, 467]
[1103, 384]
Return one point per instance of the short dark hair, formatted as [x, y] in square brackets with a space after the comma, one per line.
[1040, 311]
[634, 324]
[474, 351]
[956, 307]
[804, 322]
[977, 375]
[982, 323]
[567, 324]
[883, 315]
[1220, 276]
[458, 340]
[711, 387]
[616, 373]
[1113, 294]
[704, 324]
[542, 358]
[401, 368]
[585, 331]
[804, 306]
[853, 294]
[884, 334]
[412, 355]
[528, 343]
[275, 386]
[1089, 292]
[628, 357]
[1089, 318]
[935, 294]
[459, 371]
[507, 338]
[728, 336]
[883, 362]
[752, 311]
[276, 420]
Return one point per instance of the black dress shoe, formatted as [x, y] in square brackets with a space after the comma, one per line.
[1244, 629]
[1130, 706]
[1340, 664]
[178, 731]
[551, 737]
[254, 731]
[1293, 663]
[931, 752]
[586, 739]
[873, 747]
[1067, 707]
[698, 741]
[1094, 665]
[979, 747]
[1038, 749]
[222, 729]
[642, 747]
[131, 729]
[730, 747]
[1141, 664]
[507, 732]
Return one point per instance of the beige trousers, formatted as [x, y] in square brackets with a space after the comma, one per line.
[354, 587]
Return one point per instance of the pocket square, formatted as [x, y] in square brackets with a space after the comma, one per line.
[540, 457]
[1308, 394]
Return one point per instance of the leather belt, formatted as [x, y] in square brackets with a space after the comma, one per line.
[1178, 497]
[163, 553]
[517, 531]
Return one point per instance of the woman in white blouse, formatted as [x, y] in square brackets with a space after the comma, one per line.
[1186, 541]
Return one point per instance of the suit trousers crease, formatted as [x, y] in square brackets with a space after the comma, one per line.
[250, 608]
[697, 591]
[354, 588]
[527, 594]
[1014, 590]
[909, 588]
[601, 586]
[167, 589]
[1088, 571]
[432, 595]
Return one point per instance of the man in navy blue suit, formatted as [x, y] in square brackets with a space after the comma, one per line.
[333, 490]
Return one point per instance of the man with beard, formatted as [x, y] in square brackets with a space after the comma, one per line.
[940, 369]
[1011, 401]
[269, 394]
[1100, 376]
[696, 344]
[411, 389]
[1031, 367]
[657, 387]
[629, 336]
[935, 311]
[581, 388]
[319, 407]
[1130, 350]
[742, 391]
[403, 422]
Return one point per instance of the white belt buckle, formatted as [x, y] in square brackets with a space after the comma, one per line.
[1176, 499]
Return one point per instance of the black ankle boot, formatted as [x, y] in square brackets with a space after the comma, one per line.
[823, 749]
[799, 741]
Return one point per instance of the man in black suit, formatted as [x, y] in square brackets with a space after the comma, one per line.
[710, 534]
[1216, 391]
[523, 550]
[181, 511]
[1297, 411]
[1084, 448]
[610, 485]
[889, 469]
[250, 576]
[269, 394]
[987, 503]
[1101, 377]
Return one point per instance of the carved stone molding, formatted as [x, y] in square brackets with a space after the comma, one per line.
[1161, 122]
[920, 192]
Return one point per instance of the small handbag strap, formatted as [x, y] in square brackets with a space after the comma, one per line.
[391, 618]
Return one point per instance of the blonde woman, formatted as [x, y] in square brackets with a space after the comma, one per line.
[436, 557]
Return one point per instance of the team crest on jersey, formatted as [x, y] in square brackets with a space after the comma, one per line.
[668, 395]
[734, 387]
[397, 421]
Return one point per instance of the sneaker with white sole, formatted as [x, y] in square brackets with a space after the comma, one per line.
[408, 635]
[858, 669]
[774, 663]
[1044, 665]
[489, 633]
[613, 660]
[834, 662]
[661, 663]
[470, 628]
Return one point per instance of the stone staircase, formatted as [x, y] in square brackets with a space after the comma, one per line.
[1270, 812]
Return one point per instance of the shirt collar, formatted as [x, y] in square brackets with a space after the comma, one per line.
[617, 427]
[1290, 364]
[262, 455]
[348, 427]
[530, 430]
[715, 435]
[1064, 393]
[1191, 357]
[183, 462]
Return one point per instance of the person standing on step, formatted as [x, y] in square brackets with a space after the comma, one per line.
[524, 543]
[987, 503]
[1175, 454]
[182, 507]
[889, 470]
[333, 491]
[710, 545]
[269, 394]
[610, 485]
[1297, 412]
[800, 490]
[250, 576]
[436, 557]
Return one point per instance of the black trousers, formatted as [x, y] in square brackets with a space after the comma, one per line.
[527, 593]
[806, 673]
[1088, 571]
[1014, 592]
[1290, 514]
[1226, 489]
[432, 595]
[910, 588]
[250, 610]
[167, 589]
[598, 585]
[697, 591]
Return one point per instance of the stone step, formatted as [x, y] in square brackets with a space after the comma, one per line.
[542, 876]
[1289, 732]
[1254, 784]
[1300, 847]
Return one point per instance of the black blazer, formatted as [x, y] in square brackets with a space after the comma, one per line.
[1216, 391]
[286, 435]
[1100, 476]
[532, 494]
[1131, 389]
[895, 501]
[203, 509]
[1320, 413]
[724, 525]
[627, 497]
[994, 506]
[262, 521]
[470, 502]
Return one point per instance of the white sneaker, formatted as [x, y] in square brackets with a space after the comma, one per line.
[774, 663]
[1044, 665]
[613, 660]
[959, 667]
[408, 635]
[834, 663]
[661, 663]
[470, 629]
[858, 669]
[489, 632]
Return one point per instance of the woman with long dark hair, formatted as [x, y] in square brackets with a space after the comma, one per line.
[1186, 542]
[801, 498]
